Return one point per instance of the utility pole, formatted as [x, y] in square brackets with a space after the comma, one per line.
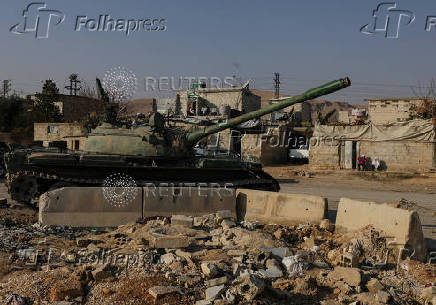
[277, 84]
[74, 81]
[6, 87]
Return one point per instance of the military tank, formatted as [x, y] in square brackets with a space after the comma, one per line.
[151, 153]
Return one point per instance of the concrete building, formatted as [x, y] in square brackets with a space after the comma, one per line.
[268, 148]
[68, 135]
[401, 146]
[301, 112]
[217, 101]
[344, 117]
[391, 110]
[78, 108]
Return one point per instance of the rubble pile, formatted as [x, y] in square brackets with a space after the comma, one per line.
[211, 259]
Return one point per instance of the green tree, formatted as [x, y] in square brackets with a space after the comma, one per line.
[45, 109]
[10, 110]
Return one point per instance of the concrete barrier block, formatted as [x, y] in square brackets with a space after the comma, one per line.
[401, 226]
[280, 208]
[190, 201]
[86, 207]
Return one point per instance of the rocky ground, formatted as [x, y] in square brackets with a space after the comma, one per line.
[202, 260]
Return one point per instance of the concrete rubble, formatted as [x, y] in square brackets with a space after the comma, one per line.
[211, 259]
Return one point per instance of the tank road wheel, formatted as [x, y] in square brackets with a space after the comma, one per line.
[24, 189]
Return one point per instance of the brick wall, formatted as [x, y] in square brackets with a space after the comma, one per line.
[396, 155]
[403, 155]
[324, 155]
[391, 111]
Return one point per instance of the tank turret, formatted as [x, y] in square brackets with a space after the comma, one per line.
[158, 140]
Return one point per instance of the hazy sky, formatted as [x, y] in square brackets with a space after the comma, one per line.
[308, 42]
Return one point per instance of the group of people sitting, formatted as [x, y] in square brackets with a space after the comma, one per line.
[363, 163]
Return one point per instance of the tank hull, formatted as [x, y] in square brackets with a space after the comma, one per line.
[30, 173]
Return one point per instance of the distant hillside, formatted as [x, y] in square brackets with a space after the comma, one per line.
[326, 106]
[144, 106]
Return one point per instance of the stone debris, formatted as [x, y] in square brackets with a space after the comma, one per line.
[227, 224]
[209, 269]
[216, 282]
[327, 225]
[250, 286]
[224, 214]
[213, 292]
[160, 291]
[170, 242]
[295, 264]
[182, 220]
[374, 285]
[210, 259]
[351, 276]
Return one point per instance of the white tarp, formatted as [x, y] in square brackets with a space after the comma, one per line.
[414, 130]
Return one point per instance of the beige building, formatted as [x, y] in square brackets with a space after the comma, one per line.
[391, 110]
[344, 117]
[267, 148]
[69, 134]
[215, 102]
[401, 146]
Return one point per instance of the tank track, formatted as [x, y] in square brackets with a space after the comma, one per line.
[27, 186]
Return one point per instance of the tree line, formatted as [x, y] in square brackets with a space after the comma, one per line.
[17, 115]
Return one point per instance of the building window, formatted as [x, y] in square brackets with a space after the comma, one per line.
[52, 129]
[76, 144]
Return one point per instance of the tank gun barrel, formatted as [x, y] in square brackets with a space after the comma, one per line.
[101, 92]
[311, 94]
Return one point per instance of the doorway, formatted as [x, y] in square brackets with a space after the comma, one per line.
[351, 152]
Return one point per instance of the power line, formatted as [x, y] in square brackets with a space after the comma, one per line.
[277, 85]
[6, 87]
[74, 81]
